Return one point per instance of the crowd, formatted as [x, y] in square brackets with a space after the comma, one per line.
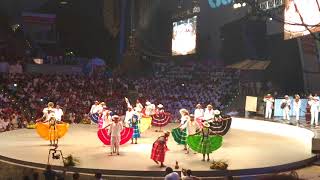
[181, 86]
[24, 95]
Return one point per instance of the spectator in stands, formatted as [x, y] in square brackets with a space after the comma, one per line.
[171, 175]
[187, 175]
[98, 176]
[35, 176]
[49, 174]
[76, 176]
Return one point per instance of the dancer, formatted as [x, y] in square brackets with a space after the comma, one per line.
[192, 127]
[198, 112]
[208, 113]
[204, 143]
[102, 112]
[314, 104]
[180, 134]
[160, 117]
[115, 130]
[268, 99]
[48, 129]
[129, 113]
[134, 123]
[286, 106]
[159, 149]
[93, 114]
[138, 108]
[58, 113]
[296, 107]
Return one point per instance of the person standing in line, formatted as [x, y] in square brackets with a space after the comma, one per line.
[286, 106]
[296, 107]
[268, 99]
[314, 104]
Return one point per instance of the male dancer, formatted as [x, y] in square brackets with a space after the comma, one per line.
[115, 130]
[268, 99]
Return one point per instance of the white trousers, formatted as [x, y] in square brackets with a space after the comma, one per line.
[314, 116]
[286, 114]
[268, 112]
[297, 113]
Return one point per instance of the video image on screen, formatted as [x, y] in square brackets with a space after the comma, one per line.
[184, 36]
[310, 14]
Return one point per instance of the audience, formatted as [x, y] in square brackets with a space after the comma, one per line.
[49, 174]
[171, 175]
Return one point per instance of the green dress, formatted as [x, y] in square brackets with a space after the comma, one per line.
[204, 143]
[179, 136]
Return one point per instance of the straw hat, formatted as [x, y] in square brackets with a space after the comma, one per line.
[50, 104]
[102, 103]
[198, 106]
[114, 117]
[182, 111]
[216, 112]
[160, 106]
[167, 133]
[209, 105]
[206, 124]
[148, 103]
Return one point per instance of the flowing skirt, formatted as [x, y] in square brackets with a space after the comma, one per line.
[50, 132]
[136, 131]
[179, 136]
[204, 145]
[158, 152]
[94, 117]
[145, 123]
[160, 120]
[126, 135]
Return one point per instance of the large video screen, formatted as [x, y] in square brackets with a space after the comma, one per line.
[184, 36]
[299, 13]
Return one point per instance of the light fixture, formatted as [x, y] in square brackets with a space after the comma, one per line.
[244, 4]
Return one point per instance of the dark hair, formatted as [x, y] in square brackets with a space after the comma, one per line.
[26, 178]
[189, 172]
[169, 170]
[98, 175]
[75, 176]
[35, 176]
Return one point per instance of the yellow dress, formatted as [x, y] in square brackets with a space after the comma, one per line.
[145, 123]
[48, 132]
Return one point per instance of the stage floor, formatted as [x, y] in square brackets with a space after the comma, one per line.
[249, 144]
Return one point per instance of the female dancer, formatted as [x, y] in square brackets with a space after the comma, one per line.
[134, 124]
[203, 143]
[159, 149]
[180, 134]
[191, 127]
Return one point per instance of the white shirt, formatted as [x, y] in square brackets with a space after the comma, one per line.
[191, 126]
[208, 114]
[58, 114]
[172, 176]
[115, 129]
[129, 115]
[198, 113]
[269, 102]
[184, 119]
[95, 108]
[287, 102]
[138, 107]
[48, 113]
[314, 104]
[297, 105]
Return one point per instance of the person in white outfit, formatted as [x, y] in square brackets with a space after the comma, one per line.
[58, 113]
[115, 130]
[129, 114]
[192, 127]
[297, 106]
[314, 104]
[286, 106]
[268, 99]
[198, 112]
[208, 113]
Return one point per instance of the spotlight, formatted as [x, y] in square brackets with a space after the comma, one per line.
[244, 4]
[270, 19]
[15, 85]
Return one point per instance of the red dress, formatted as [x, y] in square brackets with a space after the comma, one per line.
[159, 149]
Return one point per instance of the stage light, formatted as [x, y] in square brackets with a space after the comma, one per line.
[270, 19]
[244, 4]
[235, 6]
[41, 99]
[63, 2]
[15, 85]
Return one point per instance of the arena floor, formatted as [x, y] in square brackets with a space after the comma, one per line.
[250, 144]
